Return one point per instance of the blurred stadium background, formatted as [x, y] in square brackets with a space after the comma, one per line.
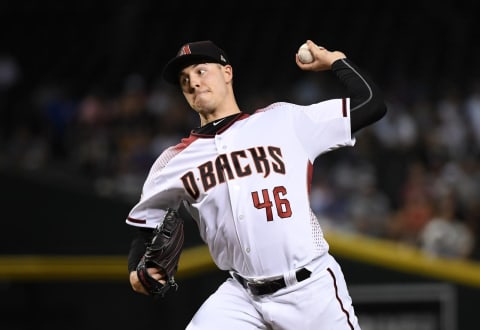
[83, 114]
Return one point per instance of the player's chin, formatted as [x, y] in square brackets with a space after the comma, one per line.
[203, 107]
[201, 101]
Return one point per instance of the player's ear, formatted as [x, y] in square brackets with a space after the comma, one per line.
[227, 72]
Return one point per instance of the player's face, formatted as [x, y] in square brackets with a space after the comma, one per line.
[205, 85]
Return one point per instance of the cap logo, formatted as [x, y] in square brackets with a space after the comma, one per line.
[222, 58]
[184, 51]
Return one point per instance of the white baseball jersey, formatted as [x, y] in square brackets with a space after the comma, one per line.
[249, 185]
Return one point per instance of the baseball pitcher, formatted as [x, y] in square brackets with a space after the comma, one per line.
[245, 180]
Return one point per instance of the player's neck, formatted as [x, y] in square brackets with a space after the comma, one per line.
[213, 118]
[217, 125]
[224, 107]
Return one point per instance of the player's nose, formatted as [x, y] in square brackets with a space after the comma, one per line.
[194, 81]
[193, 85]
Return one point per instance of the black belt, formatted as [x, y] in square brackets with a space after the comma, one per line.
[269, 287]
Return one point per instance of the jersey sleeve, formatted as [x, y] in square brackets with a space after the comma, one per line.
[324, 126]
[157, 194]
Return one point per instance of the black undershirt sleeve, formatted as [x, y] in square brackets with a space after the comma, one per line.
[367, 104]
[138, 246]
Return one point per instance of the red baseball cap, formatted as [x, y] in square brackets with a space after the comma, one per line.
[193, 53]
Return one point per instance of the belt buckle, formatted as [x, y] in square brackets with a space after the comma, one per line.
[260, 286]
[263, 287]
[252, 285]
[257, 282]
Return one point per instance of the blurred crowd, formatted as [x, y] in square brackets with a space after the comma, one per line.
[413, 177]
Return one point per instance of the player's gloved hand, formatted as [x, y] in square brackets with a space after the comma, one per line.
[322, 58]
[137, 285]
[163, 252]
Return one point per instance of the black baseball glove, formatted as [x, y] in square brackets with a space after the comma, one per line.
[163, 252]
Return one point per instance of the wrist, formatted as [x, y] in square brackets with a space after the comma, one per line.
[336, 56]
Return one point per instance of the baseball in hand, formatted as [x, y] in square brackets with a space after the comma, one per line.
[304, 54]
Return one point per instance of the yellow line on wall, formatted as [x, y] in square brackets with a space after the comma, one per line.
[94, 267]
[197, 260]
[403, 258]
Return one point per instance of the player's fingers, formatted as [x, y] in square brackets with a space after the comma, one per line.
[157, 274]
[301, 65]
[318, 64]
[312, 46]
[136, 284]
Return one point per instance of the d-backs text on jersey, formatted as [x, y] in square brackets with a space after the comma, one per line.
[236, 164]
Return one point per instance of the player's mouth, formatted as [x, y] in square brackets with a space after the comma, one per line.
[199, 95]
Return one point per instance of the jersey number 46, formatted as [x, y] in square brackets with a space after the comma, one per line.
[282, 205]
